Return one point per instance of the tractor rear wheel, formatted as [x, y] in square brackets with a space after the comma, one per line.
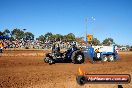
[78, 57]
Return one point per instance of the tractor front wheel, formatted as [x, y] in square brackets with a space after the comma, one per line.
[104, 58]
[111, 58]
[46, 59]
[51, 61]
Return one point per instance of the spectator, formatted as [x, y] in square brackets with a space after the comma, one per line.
[1, 46]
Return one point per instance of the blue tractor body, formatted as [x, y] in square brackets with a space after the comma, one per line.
[91, 54]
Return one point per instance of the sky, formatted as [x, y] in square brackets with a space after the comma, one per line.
[105, 18]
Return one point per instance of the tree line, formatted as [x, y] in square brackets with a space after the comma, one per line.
[22, 34]
[17, 34]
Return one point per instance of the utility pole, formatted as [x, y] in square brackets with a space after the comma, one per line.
[86, 23]
[86, 20]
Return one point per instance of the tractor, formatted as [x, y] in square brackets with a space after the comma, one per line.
[73, 54]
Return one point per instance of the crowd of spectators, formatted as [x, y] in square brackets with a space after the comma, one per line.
[33, 44]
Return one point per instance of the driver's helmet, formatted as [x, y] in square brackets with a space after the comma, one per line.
[73, 43]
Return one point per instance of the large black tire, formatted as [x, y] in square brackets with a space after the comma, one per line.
[104, 58]
[47, 57]
[77, 57]
[51, 61]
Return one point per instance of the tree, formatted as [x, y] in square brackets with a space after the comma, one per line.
[118, 45]
[41, 38]
[6, 32]
[64, 38]
[79, 40]
[28, 36]
[1, 33]
[108, 41]
[17, 34]
[127, 46]
[95, 41]
[58, 37]
[70, 37]
[48, 35]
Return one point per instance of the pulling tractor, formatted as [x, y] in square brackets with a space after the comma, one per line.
[73, 55]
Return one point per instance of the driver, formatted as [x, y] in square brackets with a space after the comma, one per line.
[53, 48]
[72, 47]
[56, 49]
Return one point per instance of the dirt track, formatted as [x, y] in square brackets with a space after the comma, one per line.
[32, 72]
